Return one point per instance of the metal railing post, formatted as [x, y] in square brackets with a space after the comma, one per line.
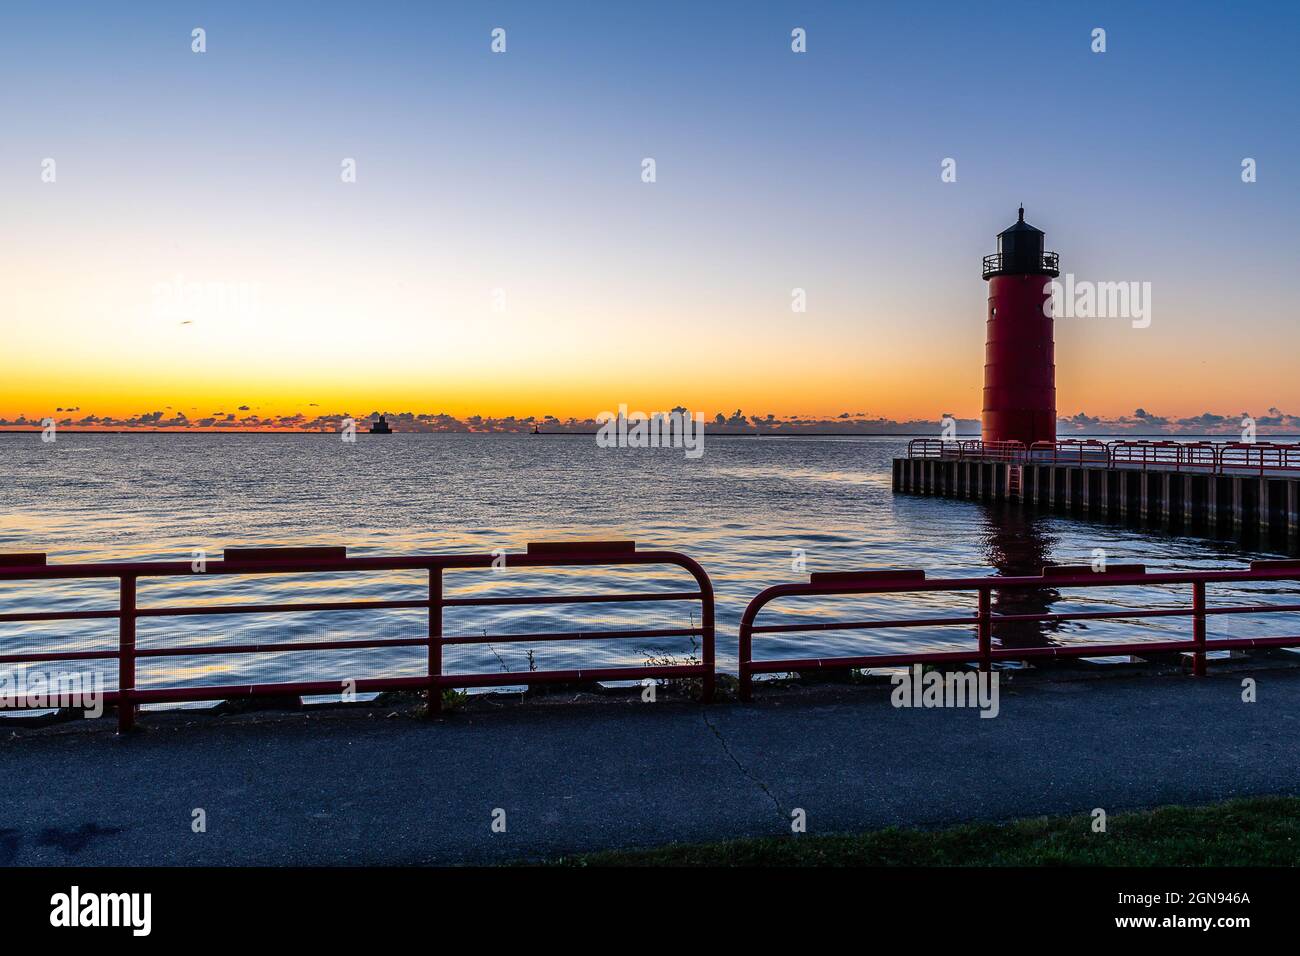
[710, 676]
[745, 648]
[126, 653]
[1198, 629]
[435, 640]
[986, 629]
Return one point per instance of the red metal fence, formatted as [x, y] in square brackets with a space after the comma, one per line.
[1258, 457]
[983, 620]
[246, 561]
[1226, 458]
[966, 448]
[1069, 452]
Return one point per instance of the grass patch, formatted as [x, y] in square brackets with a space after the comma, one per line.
[1251, 832]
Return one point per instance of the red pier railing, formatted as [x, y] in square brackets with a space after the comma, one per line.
[1203, 457]
[258, 561]
[983, 620]
[1258, 457]
[1068, 452]
[966, 448]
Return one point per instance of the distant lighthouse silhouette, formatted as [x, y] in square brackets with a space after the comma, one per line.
[1019, 361]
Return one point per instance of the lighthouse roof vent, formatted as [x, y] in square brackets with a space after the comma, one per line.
[1020, 226]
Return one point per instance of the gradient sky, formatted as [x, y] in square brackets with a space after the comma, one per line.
[521, 172]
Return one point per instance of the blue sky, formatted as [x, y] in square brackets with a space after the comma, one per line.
[775, 170]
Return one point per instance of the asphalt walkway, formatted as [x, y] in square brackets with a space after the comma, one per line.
[364, 787]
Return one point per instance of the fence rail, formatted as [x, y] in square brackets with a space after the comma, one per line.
[1237, 457]
[1203, 457]
[983, 620]
[255, 561]
[966, 449]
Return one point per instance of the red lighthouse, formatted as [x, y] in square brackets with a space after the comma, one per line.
[1019, 367]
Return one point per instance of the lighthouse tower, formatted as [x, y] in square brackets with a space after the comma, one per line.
[1019, 368]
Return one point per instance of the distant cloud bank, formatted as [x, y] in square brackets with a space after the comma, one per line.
[1274, 421]
[1142, 422]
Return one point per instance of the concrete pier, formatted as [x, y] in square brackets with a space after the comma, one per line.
[1177, 500]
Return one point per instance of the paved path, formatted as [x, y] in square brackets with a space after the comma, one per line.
[355, 788]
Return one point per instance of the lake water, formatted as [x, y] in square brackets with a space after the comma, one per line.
[741, 510]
